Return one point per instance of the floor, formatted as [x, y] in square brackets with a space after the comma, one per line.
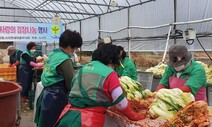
[26, 116]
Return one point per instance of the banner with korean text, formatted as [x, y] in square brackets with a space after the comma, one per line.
[30, 32]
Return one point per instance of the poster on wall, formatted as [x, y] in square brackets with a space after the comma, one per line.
[30, 32]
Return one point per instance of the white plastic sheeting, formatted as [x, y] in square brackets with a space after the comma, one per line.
[145, 14]
[4, 14]
[69, 10]
[152, 14]
[90, 32]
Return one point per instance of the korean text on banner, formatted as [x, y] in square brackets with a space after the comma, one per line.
[30, 32]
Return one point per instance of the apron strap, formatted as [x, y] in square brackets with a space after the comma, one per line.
[65, 110]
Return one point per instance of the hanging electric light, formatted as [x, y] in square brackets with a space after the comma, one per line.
[113, 3]
[56, 19]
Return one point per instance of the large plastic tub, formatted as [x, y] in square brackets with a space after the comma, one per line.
[9, 92]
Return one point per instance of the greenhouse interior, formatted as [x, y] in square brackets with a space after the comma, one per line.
[105, 63]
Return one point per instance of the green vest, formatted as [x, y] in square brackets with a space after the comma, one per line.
[22, 61]
[49, 75]
[88, 91]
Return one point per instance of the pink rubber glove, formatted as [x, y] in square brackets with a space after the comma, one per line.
[13, 65]
[36, 65]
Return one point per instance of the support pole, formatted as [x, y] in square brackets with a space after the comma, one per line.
[80, 47]
[175, 19]
[167, 43]
[129, 33]
[65, 26]
[99, 33]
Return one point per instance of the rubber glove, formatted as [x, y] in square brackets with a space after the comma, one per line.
[15, 64]
[160, 86]
[132, 115]
[185, 88]
[36, 65]
[10, 65]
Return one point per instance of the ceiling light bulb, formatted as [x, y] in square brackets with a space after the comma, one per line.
[56, 19]
[113, 3]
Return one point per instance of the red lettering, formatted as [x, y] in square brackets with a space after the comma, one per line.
[7, 29]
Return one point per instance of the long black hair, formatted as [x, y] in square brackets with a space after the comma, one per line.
[107, 54]
[124, 54]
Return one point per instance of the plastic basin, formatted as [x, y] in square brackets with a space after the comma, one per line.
[9, 92]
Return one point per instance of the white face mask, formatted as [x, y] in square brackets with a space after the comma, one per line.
[32, 51]
[179, 68]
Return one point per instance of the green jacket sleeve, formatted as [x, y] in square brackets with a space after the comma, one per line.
[66, 69]
[197, 77]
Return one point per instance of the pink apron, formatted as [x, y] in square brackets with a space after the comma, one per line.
[175, 82]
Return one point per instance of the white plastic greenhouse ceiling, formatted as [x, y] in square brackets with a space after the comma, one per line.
[138, 25]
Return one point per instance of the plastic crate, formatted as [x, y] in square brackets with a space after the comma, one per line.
[38, 46]
[38, 53]
[8, 73]
[4, 65]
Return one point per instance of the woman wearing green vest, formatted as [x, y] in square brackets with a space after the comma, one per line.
[15, 56]
[56, 79]
[128, 67]
[94, 88]
[27, 62]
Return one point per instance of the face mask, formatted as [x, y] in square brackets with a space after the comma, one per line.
[32, 51]
[179, 68]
